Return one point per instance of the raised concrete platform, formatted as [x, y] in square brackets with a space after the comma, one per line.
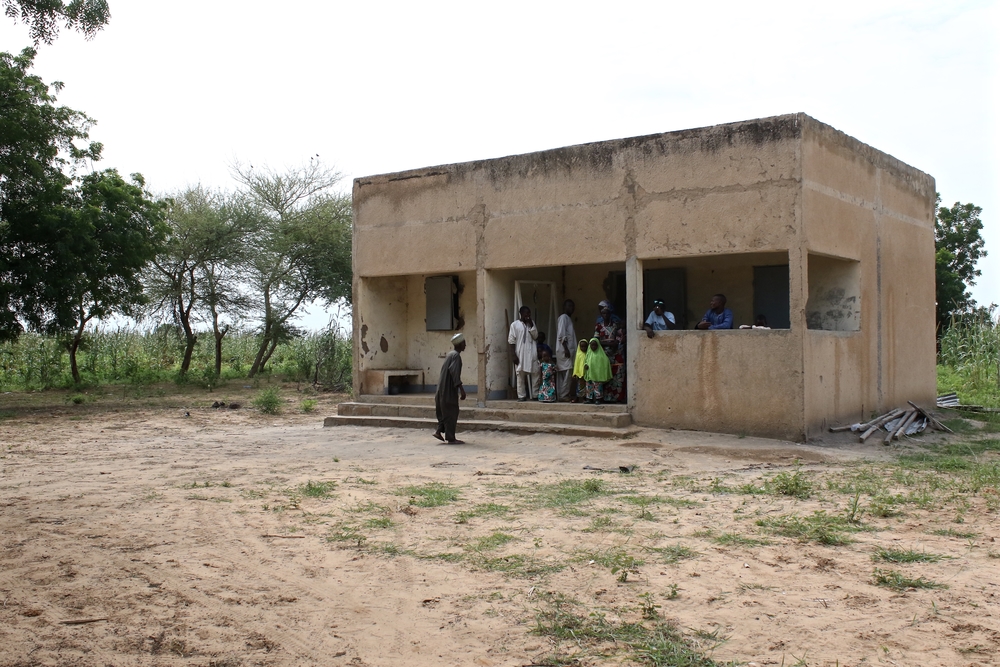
[417, 411]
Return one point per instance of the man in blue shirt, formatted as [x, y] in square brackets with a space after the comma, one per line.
[659, 319]
[718, 316]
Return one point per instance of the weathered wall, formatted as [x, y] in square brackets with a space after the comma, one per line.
[380, 319]
[724, 381]
[834, 294]
[427, 349]
[861, 204]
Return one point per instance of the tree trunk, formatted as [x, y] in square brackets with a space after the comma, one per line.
[75, 345]
[267, 357]
[258, 361]
[191, 340]
[219, 335]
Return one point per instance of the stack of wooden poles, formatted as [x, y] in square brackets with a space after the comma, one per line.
[897, 423]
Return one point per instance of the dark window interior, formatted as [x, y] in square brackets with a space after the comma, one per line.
[669, 286]
[770, 295]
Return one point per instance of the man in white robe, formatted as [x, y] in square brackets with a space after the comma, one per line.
[565, 349]
[524, 353]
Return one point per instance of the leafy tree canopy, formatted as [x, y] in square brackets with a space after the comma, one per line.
[960, 245]
[44, 16]
[70, 247]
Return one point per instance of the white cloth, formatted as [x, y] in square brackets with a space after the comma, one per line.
[527, 384]
[523, 340]
[563, 380]
[565, 333]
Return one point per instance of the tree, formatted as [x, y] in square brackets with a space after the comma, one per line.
[301, 250]
[124, 231]
[959, 245]
[43, 16]
[186, 276]
[40, 237]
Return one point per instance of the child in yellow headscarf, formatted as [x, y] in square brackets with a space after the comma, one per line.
[597, 371]
[579, 367]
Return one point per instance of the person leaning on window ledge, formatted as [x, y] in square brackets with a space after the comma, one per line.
[718, 316]
[659, 319]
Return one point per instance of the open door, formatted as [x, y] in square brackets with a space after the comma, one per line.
[541, 297]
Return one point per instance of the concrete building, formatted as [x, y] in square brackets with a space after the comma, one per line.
[829, 238]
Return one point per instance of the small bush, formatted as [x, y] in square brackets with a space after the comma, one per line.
[268, 401]
[308, 405]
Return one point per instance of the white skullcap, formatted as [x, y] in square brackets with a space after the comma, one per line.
[457, 338]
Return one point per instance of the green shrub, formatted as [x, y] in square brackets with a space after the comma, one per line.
[308, 404]
[268, 401]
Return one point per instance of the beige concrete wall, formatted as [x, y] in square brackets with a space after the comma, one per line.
[392, 331]
[724, 381]
[380, 329]
[861, 204]
[427, 349]
[787, 185]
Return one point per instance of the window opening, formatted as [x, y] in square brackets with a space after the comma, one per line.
[442, 302]
[771, 295]
[669, 286]
[834, 294]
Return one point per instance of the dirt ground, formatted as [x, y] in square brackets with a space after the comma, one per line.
[178, 534]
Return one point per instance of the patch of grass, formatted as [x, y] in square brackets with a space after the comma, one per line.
[268, 401]
[570, 492]
[434, 494]
[313, 489]
[897, 581]
[599, 524]
[820, 527]
[951, 532]
[369, 507]
[482, 510]
[796, 485]
[346, 533]
[516, 565]
[737, 540]
[562, 619]
[308, 405]
[884, 505]
[381, 522]
[492, 541]
[905, 556]
[78, 399]
[674, 553]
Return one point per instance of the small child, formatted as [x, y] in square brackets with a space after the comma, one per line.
[541, 345]
[596, 372]
[579, 368]
[547, 383]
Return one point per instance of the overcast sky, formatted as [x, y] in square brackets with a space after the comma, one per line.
[180, 89]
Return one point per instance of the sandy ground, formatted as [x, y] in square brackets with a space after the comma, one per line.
[147, 537]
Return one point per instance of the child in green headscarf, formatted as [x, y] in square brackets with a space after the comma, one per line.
[596, 372]
[579, 369]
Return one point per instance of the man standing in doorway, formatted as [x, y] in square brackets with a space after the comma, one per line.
[449, 391]
[565, 349]
[524, 353]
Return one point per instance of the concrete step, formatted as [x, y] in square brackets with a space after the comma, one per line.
[508, 413]
[428, 399]
[523, 428]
